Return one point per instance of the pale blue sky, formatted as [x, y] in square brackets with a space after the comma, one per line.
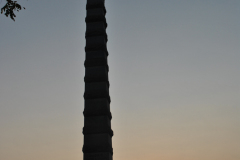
[174, 79]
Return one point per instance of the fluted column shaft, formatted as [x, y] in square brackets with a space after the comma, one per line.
[97, 116]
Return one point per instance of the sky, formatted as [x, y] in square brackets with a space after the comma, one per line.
[174, 80]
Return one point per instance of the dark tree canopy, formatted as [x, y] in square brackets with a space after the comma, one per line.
[9, 8]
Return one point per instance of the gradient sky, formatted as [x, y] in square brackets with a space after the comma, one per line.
[174, 80]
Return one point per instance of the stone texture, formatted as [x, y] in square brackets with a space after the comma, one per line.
[98, 156]
[96, 74]
[97, 107]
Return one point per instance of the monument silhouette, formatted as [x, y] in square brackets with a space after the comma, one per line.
[97, 116]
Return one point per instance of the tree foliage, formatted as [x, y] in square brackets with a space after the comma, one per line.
[10, 7]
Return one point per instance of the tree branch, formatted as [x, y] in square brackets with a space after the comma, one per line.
[9, 9]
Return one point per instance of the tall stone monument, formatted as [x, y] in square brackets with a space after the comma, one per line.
[97, 116]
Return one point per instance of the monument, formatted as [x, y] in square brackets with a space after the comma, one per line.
[97, 116]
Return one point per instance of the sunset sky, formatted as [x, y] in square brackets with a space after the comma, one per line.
[174, 69]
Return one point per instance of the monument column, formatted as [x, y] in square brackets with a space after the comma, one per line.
[97, 116]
